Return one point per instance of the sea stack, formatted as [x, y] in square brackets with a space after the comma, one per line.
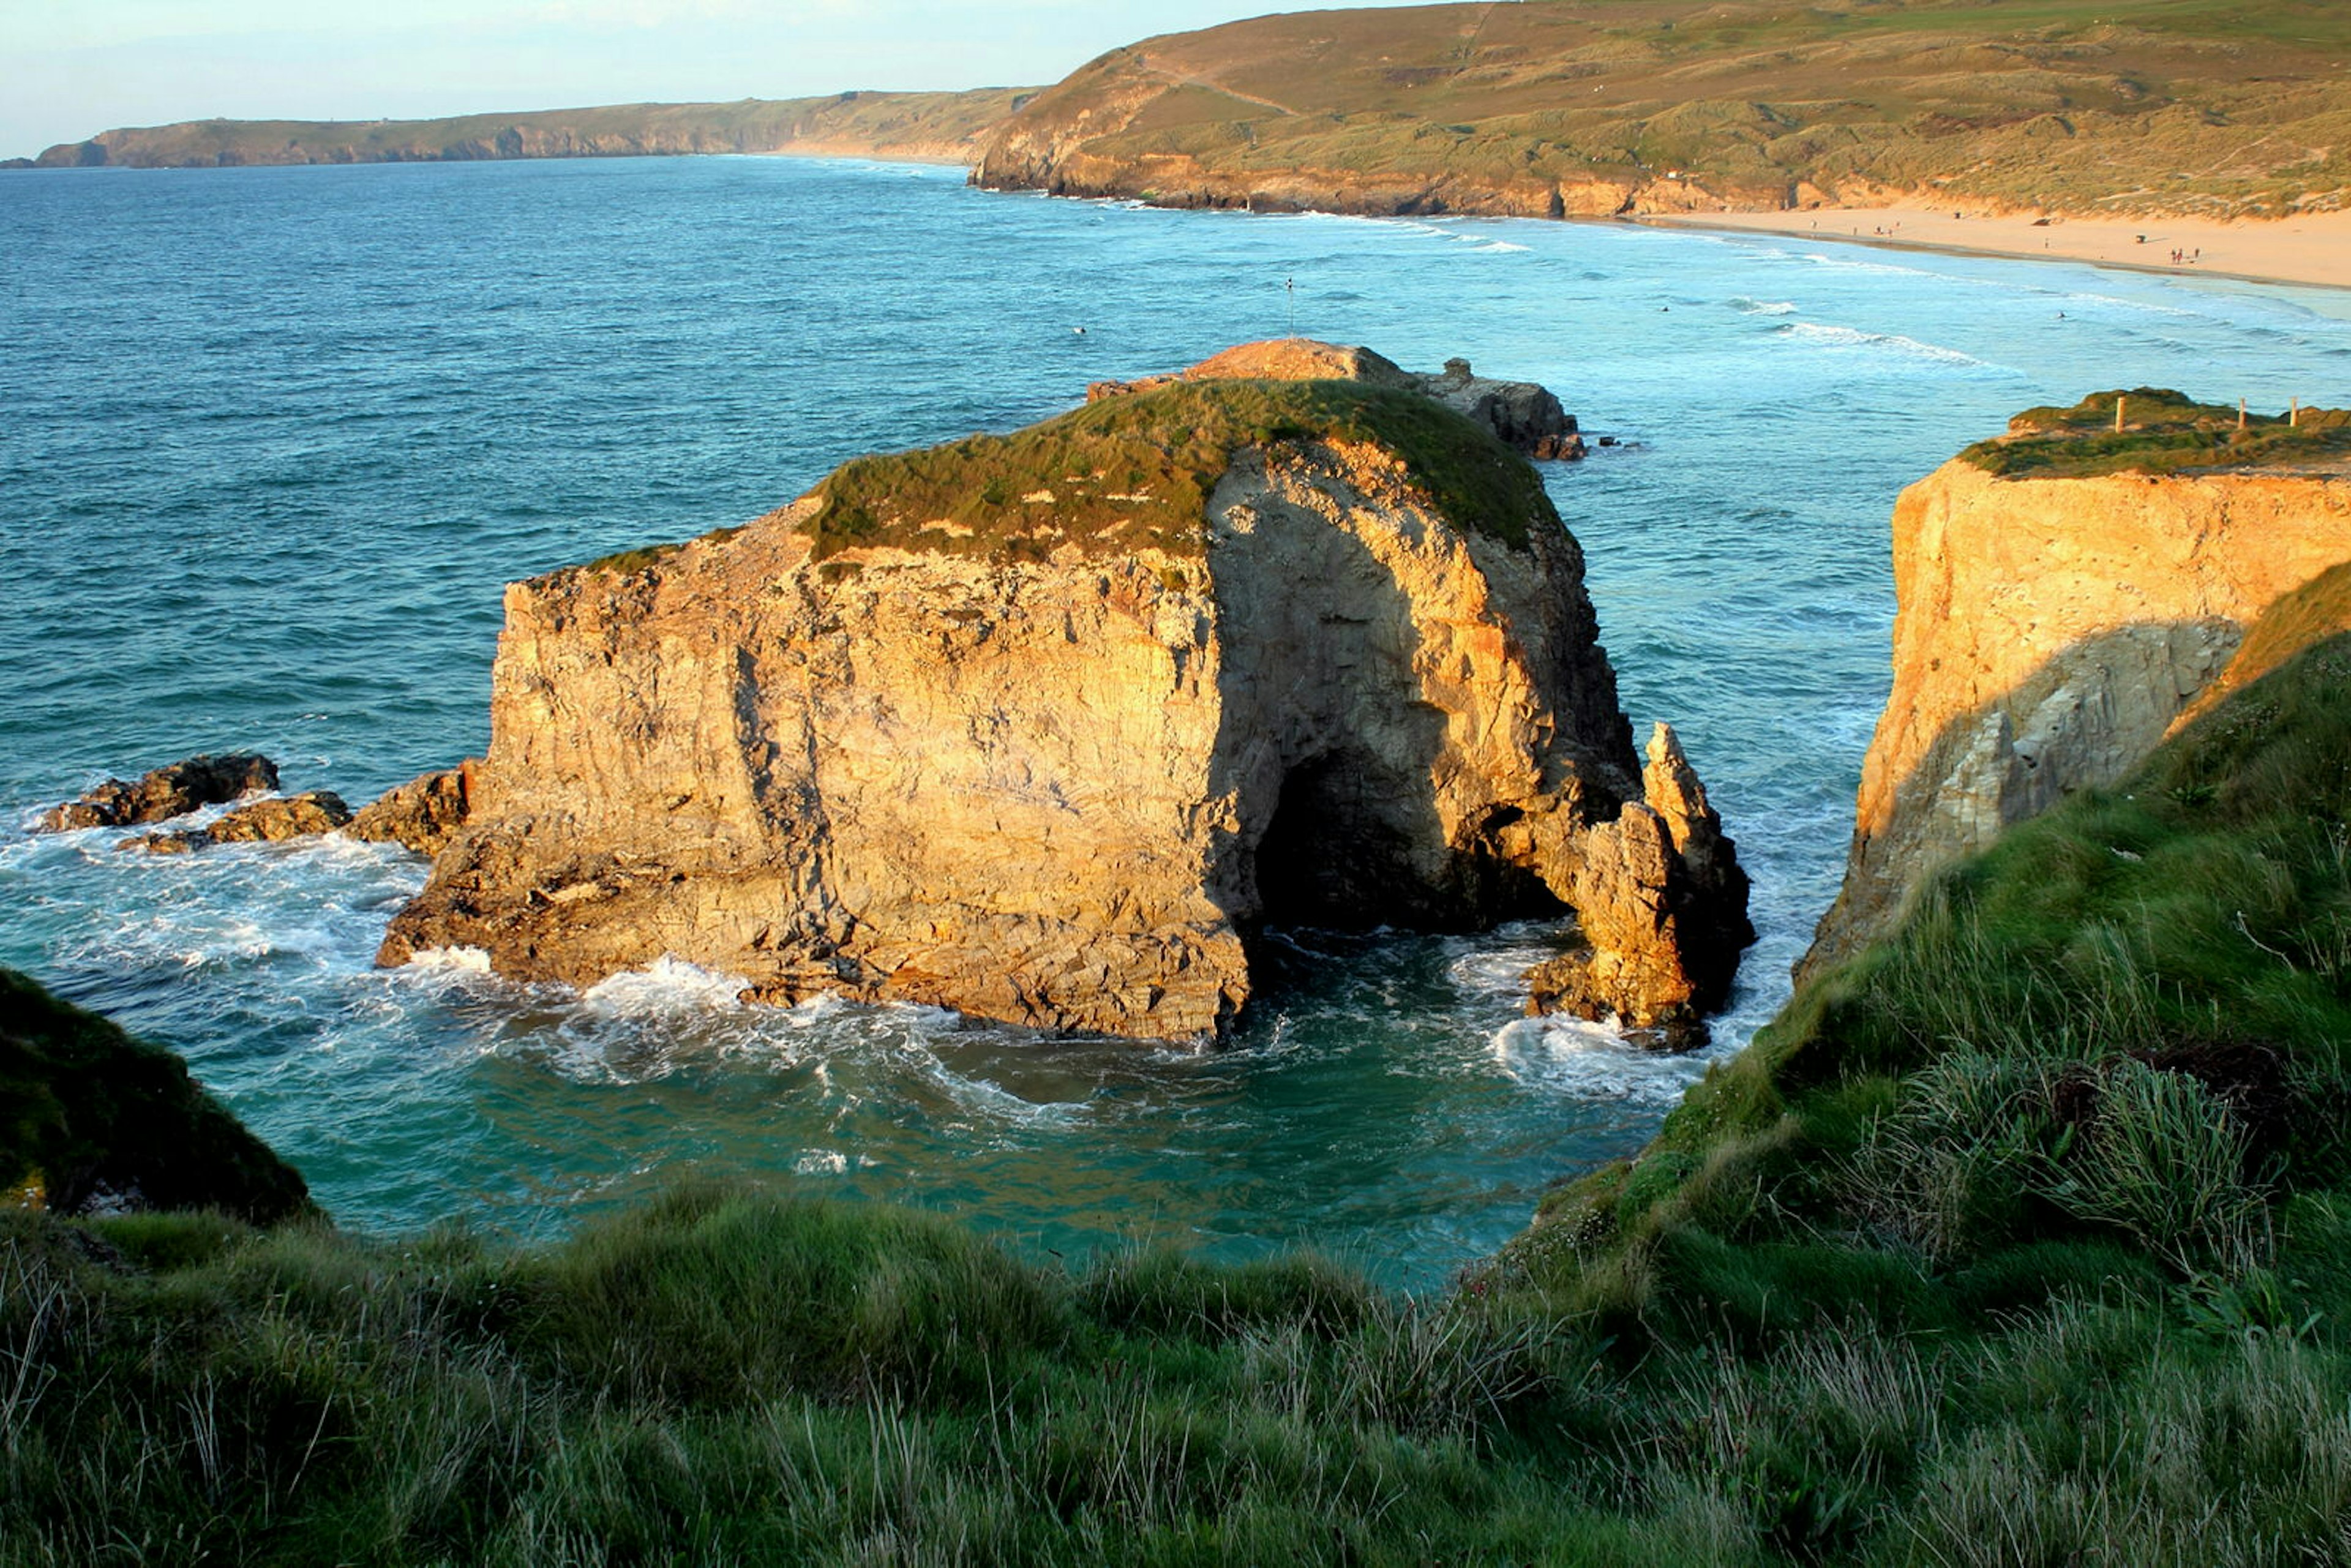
[1043, 726]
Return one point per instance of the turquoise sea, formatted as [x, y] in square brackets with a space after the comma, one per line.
[271, 441]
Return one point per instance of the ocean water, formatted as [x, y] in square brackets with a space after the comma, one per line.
[271, 441]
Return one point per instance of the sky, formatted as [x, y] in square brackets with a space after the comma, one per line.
[68, 69]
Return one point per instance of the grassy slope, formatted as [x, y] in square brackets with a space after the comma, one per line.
[1134, 472]
[85, 1107]
[2024, 1238]
[2073, 104]
[931, 123]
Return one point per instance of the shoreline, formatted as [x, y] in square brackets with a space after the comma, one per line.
[2308, 250]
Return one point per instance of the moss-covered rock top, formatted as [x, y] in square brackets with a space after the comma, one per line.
[88, 1113]
[2163, 432]
[1134, 472]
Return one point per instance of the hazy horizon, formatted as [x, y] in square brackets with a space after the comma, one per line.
[75, 72]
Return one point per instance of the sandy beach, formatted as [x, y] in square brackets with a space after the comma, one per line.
[2314, 248]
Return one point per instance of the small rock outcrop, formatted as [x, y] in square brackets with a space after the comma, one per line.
[1662, 903]
[262, 821]
[1044, 726]
[170, 791]
[2049, 632]
[1526, 415]
[423, 814]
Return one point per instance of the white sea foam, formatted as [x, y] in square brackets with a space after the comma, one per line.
[1825, 336]
[1764, 306]
[1499, 247]
[451, 960]
[667, 985]
[1498, 970]
[1593, 1062]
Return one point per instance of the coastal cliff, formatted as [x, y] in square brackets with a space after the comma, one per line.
[2064, 595]
[1042, 727]
[1682, 106]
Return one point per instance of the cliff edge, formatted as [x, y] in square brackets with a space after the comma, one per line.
[2064, 595]
[1041, 727]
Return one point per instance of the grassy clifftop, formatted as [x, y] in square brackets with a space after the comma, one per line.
[1134, 471]
[2086, 106]
[89, 1113]
[2158, 431]
[925, 124]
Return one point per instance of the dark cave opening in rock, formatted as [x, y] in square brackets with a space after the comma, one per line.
[1329, 857]
[1352, 846]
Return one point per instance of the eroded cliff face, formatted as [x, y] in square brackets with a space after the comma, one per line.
[2048, 632]
[1054, 786]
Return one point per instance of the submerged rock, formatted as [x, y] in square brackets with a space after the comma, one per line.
[423, 814]
[1043, 726]
[169, 791]
[288, 817]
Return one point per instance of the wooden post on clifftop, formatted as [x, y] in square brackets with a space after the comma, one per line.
[2241, 413]
[2119, 402]
[2294, 416]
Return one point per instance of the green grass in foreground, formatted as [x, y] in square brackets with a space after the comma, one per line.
[2163, 433]
[2023, 1237]
[1134, 472]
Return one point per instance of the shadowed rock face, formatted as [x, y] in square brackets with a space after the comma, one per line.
[1057, 791]
[2048, 635]
[1663, 903]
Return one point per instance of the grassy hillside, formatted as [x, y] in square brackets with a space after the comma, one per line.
[90, 1114]
[2024, 1238]
[922, 124]
[2085, 106]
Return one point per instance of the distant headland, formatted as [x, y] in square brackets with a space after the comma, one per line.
[944, 126]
